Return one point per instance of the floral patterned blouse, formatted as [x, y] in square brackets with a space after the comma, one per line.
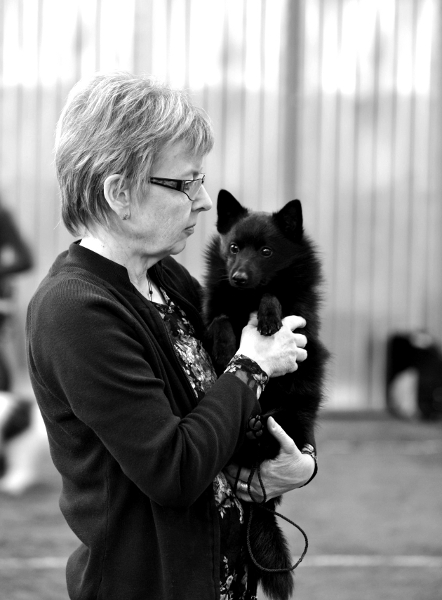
[198, 367]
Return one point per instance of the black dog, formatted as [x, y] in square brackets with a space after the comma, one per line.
[263, 262]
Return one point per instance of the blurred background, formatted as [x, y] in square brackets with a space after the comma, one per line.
[335, 102]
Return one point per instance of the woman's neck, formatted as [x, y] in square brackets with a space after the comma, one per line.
[136, 266]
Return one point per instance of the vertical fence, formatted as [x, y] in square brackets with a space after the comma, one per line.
[332, 101]
[367, 161]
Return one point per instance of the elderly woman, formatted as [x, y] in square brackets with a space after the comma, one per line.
[140, 428]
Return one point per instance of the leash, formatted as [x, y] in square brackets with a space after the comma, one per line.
[257, 469]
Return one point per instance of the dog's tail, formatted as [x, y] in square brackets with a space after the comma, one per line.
[269, 554]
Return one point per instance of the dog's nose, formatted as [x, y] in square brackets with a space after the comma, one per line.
[240, 278]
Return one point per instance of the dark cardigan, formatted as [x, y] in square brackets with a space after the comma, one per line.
[136, 453]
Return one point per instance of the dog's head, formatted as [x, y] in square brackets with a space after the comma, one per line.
[256, 245]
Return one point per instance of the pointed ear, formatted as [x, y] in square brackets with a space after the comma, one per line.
[289, 220]
[229, 211]
[117, 194]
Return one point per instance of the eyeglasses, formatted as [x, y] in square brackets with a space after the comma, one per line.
[190, 187]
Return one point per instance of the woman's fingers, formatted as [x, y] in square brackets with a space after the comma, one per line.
[301, 355]
[277, 354]
[286, 443]
[288, 470]
[301, 340]
[231, 472]
[253, 319]
[240, 482]
[301, 343]
[294, 322]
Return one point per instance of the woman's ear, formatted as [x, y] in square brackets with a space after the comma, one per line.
[117, 193]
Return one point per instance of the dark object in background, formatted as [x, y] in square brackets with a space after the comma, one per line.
[15, 417]
[15, 257]
[414, 376]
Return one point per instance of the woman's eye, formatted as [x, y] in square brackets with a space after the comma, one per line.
[266, 251]
[234, 249]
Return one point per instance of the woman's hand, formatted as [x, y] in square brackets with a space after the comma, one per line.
[276, 354]
[289, 470]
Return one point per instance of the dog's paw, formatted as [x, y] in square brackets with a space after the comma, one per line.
[269, 315]
[222, 354]
[223, 342]
[269, 326]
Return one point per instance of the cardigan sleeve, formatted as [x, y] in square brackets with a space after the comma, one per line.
[87, 358]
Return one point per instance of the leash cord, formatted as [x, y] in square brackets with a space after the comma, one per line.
[257, 469]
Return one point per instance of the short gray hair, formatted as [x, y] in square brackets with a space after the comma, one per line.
[119, 123]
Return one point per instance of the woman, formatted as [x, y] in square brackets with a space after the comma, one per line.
[140, 428]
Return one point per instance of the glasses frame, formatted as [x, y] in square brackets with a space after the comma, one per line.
[177, 184]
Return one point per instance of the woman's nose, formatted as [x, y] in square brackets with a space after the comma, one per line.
[202, 201]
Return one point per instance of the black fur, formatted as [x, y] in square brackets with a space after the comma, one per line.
[263, 262]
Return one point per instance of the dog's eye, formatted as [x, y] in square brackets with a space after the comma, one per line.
[266, 251]
[234, 249]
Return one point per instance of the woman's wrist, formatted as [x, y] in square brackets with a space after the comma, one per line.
[263, 364]
[249, 371]
[310, 464]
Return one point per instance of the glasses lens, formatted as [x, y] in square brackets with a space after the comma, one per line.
[193, 187]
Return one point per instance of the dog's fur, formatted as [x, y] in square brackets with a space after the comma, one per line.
[263, 262]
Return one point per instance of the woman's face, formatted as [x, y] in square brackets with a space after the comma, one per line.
[163, 218]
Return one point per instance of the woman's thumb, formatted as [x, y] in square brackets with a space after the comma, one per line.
[285, 441]
[253, 319]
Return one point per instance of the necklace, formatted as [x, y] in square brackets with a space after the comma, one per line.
[150, 292]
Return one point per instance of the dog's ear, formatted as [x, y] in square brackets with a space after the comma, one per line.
[289, 220]
[229, 211]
